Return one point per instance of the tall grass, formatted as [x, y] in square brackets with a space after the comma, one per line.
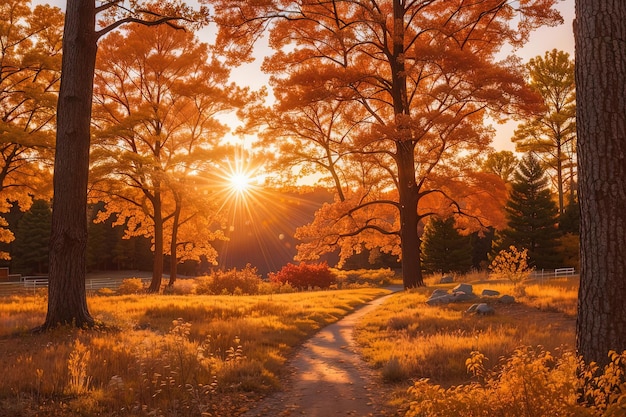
[159, 354]
[408, 339]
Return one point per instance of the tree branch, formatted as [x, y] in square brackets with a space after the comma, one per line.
[163, 20]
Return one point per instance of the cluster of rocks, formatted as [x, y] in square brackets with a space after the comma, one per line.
[465, 292]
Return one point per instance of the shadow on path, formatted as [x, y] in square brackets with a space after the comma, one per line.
[327, 376]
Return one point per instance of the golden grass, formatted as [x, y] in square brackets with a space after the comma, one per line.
[188, 355]
[160, 353]
[408, 339]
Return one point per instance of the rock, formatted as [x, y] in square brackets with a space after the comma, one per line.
[439, 296]
[481, 309]
[507, 299]
[490, 293]
[448, 279]
[461, 296]
[443, 299]
[438, 293]
[471, 309]
[484, 309]
[464, 288]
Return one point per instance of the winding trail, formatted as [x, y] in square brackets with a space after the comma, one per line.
[327, 377]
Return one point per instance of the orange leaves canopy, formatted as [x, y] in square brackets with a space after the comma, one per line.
[158, 92]
[30, 60]
[421, 77]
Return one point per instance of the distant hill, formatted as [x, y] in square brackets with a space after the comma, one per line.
[262, 226]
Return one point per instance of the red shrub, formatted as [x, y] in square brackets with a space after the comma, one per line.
[305, 275]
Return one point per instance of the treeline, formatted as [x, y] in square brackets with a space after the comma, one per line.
[398, 150]
[264, 239]
[533, 222]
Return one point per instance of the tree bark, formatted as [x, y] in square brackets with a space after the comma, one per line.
[174, 244]
[601, 123]
[157, 265]
[408, 191]
[67, 299]
[408, 196]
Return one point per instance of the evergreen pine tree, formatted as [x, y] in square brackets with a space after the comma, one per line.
[532, 215]
[569, 222]
[101, 241]
[444, 249]
[30, 248]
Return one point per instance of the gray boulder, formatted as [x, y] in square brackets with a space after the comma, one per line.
[439, 296]
[438, 293]
[448, 279]
[443, 297]
[464, 288]
[471, 309]
[507, 299]
[490, 293]
[485, 310]
[481, 309]
[460, 296]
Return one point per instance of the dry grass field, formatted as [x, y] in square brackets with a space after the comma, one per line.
[204, 355]
[157, 355]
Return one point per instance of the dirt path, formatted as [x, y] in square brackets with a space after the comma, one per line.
[327, 377]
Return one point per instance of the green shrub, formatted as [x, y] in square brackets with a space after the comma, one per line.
[131, 286]
[305, 276]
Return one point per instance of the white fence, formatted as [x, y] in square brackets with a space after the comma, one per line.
[34, 283]
[553, 273]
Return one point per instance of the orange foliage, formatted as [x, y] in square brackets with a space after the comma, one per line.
[414, 82]
[157, 94]
[30, 61]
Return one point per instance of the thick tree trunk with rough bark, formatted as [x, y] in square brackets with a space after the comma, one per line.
[408, 191]
[409, 196]
[67, 302]
[601, 122]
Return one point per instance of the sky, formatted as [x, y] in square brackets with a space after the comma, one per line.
[542, 40]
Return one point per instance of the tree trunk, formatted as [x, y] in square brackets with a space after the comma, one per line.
[559, 174]
[405, 160]
[157, 266]
[601, 124]
[67, 298]
[174, 245]
[408, 196]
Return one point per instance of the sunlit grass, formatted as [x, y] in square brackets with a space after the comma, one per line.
[157, 352]
[192, 353]
[408, 339]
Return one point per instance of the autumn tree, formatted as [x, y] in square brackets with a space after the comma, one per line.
[158, 93]
[601, 125]
[551, 134]
[422, 74]
[67, 303]
[312, 135]
[532, 215]
[502, 163]
[30, 61]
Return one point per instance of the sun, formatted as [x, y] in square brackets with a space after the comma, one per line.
[240, 182]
